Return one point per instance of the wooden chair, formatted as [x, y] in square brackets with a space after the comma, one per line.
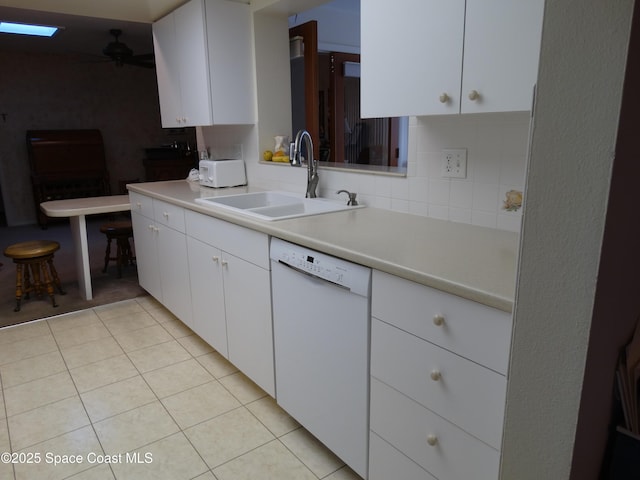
[37, 256]
[121, 231]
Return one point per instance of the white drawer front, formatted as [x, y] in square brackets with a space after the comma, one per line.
[411, 428]
[385, 463]
[470, 329]
[240, 241]
[169, 215]
[141, 204]
[465, 393]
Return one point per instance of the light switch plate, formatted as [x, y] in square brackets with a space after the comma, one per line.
[454, 163]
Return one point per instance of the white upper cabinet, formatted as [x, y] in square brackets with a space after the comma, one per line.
[203, 64]
[430, 57]
[501, 51]
[411, 53]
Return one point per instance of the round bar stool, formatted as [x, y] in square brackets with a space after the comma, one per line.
[33, 258]
[121, 231]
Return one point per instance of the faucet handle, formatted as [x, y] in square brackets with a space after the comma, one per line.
[352, 197]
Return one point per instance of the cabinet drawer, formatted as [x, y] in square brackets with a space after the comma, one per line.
[411, 428]
[141, 204]
[169, 215]
[242, 242]
[470, 329]
[465, 393]
[386, 462]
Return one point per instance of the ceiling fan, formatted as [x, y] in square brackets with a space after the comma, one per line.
[121, 54]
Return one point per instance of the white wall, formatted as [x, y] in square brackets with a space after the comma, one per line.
[582, 65]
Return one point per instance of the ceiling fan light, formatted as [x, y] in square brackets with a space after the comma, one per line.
[27, 29]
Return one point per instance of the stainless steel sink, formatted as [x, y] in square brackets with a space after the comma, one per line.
[271, 205]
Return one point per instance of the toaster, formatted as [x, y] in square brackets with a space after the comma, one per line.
[222, 173]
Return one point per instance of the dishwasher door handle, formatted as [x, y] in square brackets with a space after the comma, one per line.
[311, 275]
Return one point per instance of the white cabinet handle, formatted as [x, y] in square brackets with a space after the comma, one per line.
[139, 205]
[444, 98]
[224, 263]
[474, 95]
[432, 439]
[165, 215]
[438, 320]
[215, 258]
[435, 375]
[150, 227]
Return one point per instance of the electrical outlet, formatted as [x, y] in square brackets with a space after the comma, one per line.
[454, 163]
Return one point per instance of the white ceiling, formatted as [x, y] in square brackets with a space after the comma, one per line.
[87, 22]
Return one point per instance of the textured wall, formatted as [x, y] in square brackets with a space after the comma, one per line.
[582, 64]
[40, 91]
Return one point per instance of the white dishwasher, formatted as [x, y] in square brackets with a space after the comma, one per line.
[321, 329]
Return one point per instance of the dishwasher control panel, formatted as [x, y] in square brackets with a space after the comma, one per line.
[335, 270]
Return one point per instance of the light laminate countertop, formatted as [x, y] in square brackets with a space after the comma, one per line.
[472, 262]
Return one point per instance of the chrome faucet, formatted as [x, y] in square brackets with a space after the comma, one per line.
[312, 165]
[352, 197]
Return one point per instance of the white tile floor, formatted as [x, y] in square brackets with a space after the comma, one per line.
[97, 389]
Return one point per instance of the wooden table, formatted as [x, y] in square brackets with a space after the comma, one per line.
[77, 209]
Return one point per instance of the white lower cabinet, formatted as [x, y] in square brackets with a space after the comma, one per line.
[231, 293]
[161, 253]
[207, 294]
[438, 385]
[214, 276]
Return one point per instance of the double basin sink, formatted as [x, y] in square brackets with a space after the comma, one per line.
[272, 205]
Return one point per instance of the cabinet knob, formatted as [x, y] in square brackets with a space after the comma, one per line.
[432, 439]
[474, 95]
[150, 227]
[215, 258]
[438, 320]
[435, 375]
[165, 214]
[139, 205]
[224, 263]
[444, 98]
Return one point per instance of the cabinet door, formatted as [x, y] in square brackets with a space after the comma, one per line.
[411, 54]
[192, 63]
[501, 50]
[144, 233]
[249, 328]
[207, 294]
[174, 272]
[167, 73]
[229, 42]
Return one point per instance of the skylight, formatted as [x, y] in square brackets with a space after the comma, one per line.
[26, 29]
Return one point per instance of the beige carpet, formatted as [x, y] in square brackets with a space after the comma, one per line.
[107, 288]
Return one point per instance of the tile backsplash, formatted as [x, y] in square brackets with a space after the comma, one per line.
[496, 144]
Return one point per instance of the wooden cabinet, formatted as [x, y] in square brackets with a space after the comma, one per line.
[452, 57]
[438, 382]
[203, 64]
[161, 253]
[231, 291]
